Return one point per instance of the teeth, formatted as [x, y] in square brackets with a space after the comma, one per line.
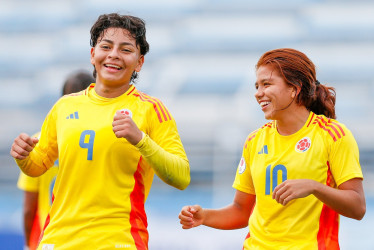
[264, 104]
[113, 66]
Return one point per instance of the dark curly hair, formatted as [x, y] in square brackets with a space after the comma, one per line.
[134, 25]
[299, 71]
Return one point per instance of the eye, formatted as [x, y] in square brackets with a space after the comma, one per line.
[267, 84]
[126, 49]
[104, 46]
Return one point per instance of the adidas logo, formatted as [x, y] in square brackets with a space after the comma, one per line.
[264, 150]
[73, 115]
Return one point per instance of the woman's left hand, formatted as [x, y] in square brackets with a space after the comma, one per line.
[293, 189]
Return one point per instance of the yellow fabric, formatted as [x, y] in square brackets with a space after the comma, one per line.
[270, 158]
[43, 185]
[103, 180]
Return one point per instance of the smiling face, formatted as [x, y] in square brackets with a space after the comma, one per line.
[115, 57]
[273, 94]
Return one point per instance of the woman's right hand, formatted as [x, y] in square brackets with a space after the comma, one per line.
[22, 146]
[191, 216]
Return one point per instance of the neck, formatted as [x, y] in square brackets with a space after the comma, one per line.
[111, 91]
[293, 121]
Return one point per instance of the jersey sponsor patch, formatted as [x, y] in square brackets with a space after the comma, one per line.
[241, 166]
[303, 145]
[126, 112]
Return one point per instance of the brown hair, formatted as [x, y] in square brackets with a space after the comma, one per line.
[299, 71]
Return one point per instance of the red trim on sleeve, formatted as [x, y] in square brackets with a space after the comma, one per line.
[340, 128]
[161, 105]
[326, 129]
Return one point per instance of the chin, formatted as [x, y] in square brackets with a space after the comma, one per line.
[269, 116]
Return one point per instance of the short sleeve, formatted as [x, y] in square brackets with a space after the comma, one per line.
[344, 158]
[243, 178]
[27, 183]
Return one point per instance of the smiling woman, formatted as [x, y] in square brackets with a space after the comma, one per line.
[298, 172]
[116, 57]
[111, 139]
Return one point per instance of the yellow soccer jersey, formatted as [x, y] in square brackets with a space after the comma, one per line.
[324, 150]
[103, 180]
[43, 185]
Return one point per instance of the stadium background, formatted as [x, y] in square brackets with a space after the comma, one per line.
[201, 64]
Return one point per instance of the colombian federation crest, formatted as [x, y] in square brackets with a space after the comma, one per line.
[126, 112]
[303, 145]
[241, 166]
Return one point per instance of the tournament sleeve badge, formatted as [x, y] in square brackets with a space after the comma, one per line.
[241, 167]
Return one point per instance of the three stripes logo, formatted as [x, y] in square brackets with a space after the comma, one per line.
[264, 150]
[73, 115]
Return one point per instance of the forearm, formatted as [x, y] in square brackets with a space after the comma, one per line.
[347, 202]
[227, 218]
[31, 167]
[172, 169]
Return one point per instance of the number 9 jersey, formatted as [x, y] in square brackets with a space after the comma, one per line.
[323, 150]
[103, 181]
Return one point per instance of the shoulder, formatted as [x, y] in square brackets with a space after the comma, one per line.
[330, 127]
[75, 95]
[266, 128]
[153, 104]
[143, 97]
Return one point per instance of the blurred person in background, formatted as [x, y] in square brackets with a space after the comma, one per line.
[110, 140]
[298, 172]
[38, 190]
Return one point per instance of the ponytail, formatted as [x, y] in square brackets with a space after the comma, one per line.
[324, 101]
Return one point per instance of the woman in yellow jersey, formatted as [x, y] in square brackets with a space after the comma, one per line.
[298, 172]
[110, 140]
[38, 190]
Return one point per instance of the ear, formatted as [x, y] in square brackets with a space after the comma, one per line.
[93, 56]
[140, 63]
[295, 91]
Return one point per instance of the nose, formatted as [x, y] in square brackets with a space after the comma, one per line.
[259, 93]
[113, 53]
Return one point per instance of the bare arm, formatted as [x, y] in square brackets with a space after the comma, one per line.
[30, 205]
[233, 216]
[347, 200]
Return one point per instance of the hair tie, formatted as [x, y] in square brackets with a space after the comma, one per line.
[317, 83]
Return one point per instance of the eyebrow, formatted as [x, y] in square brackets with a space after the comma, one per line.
[262, 80]
[267, 79]
[111, 42]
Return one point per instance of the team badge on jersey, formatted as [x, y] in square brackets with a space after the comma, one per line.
[241, 165]
[126, 112]
[303, 145]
